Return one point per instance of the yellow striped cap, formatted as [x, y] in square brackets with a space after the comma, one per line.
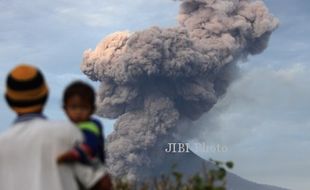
[26, 90]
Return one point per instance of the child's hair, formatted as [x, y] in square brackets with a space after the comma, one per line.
[81, 89]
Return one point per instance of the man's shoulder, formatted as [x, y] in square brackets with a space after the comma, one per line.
[58, 123]
[62, 126]
[61, 129]
[52, 125]
[41, 130]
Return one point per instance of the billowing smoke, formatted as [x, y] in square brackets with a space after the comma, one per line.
[156, 79]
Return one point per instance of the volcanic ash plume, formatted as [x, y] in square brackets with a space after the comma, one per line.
[155, 79]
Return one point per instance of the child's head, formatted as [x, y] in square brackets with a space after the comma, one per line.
[79, 101]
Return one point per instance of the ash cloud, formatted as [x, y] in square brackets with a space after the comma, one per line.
[156, 79]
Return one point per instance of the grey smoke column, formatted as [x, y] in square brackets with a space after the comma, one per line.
[155, 79]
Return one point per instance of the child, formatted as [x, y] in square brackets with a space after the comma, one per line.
[79, 105]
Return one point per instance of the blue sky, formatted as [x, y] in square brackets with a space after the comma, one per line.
[264, 117]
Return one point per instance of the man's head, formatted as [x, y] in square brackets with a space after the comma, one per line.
[26, 90]
[79, 101]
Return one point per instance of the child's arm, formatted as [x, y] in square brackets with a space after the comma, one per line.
[81, 153]
[88, 149]
[69, 156]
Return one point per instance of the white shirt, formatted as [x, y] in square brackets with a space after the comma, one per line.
[28, 153]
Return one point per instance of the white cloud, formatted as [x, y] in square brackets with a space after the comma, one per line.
[264, 122]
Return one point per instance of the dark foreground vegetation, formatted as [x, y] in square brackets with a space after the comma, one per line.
[211, 179]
